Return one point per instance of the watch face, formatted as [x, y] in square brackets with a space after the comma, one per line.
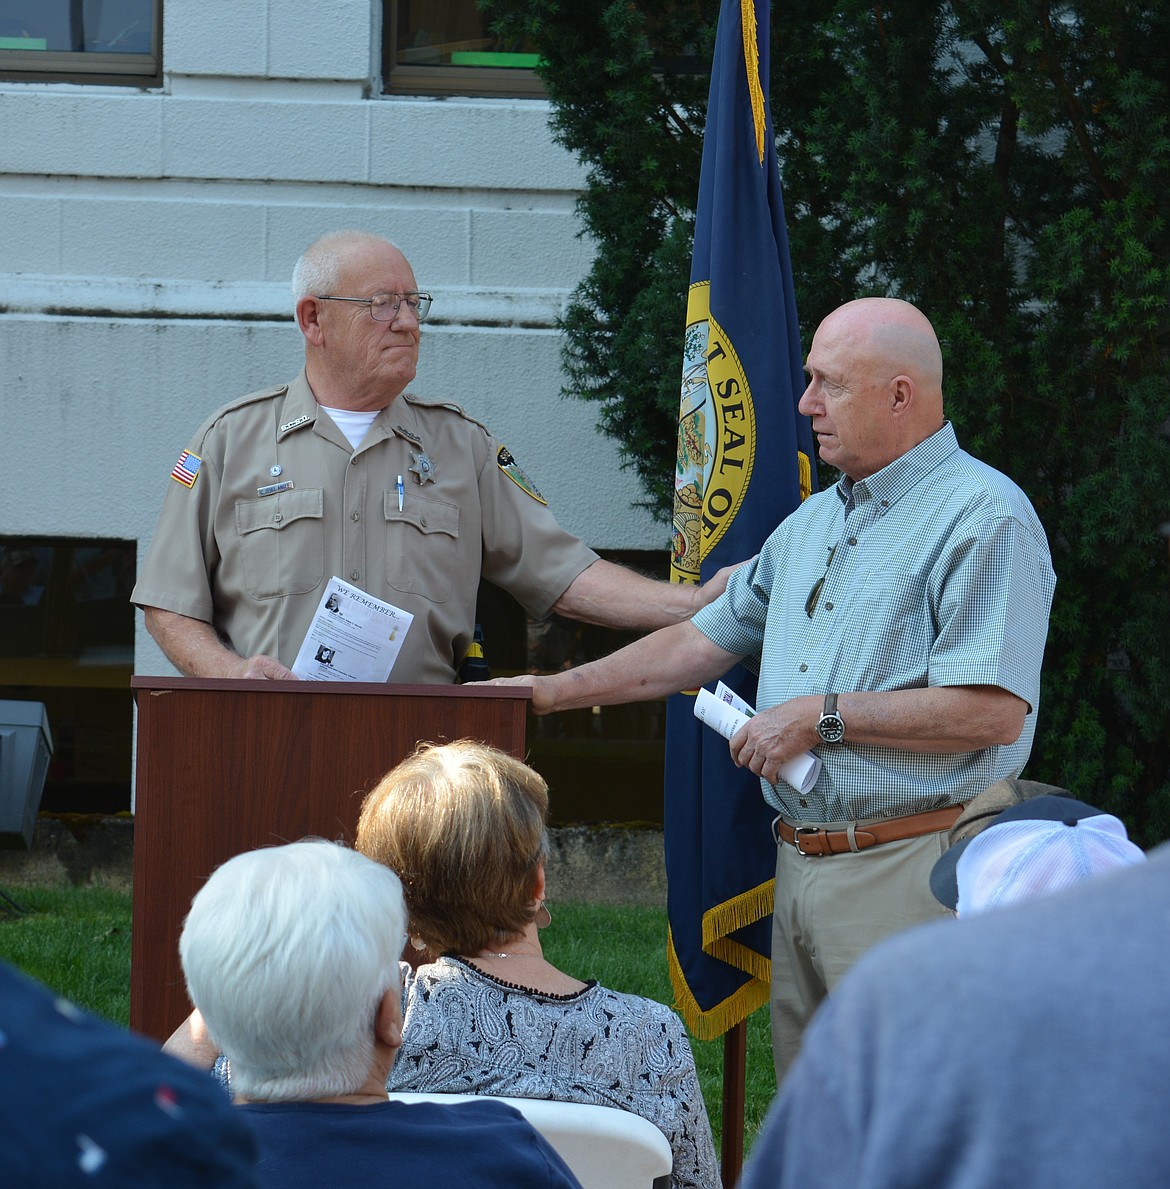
[831, 728]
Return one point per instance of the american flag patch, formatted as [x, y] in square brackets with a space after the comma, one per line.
[187, 468]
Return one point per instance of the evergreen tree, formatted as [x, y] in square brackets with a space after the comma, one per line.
[1001, 165]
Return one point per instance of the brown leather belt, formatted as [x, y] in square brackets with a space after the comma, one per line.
[816, 842]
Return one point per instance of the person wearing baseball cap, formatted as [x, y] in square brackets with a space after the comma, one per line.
[1040, 844]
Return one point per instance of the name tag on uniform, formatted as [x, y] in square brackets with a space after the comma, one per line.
[273, 488]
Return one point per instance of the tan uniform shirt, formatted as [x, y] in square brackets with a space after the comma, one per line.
[280, 503]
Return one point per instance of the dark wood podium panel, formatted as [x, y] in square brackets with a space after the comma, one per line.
[227, 766]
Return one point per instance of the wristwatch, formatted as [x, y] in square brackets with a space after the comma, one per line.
[831, 726]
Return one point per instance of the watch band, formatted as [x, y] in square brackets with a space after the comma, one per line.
[831, 726]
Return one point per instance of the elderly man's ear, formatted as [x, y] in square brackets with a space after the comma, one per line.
[309, 319]
[388, 1022]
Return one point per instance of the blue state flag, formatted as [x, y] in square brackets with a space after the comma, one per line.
[744, 463]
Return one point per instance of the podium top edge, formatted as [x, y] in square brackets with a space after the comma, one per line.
[373, 689]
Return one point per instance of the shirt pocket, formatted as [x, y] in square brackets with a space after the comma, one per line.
[282, 542]
[422, 548]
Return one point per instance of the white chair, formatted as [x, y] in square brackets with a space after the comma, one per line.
[607, 1148]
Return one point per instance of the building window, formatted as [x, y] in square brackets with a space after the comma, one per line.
[445, 47]
[82, 41]
[67, 640]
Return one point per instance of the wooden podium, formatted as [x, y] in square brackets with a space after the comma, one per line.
[227, 766]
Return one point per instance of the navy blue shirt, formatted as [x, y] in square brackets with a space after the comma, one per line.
[85, 1103]
[472, 1145]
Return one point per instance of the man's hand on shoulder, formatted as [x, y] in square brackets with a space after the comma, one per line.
[615, 597]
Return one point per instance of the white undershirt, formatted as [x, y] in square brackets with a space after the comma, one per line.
[351, 423]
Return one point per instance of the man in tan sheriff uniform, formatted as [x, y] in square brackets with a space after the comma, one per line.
[284, 488]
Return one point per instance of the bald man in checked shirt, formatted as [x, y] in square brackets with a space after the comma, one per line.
[899, 621]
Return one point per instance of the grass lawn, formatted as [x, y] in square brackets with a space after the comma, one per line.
[74, 940]
[77, 941]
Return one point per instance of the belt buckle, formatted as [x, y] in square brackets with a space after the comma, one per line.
[797, 831]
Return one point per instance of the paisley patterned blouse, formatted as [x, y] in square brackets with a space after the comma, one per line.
[469, 1033]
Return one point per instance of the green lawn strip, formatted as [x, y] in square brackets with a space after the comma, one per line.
[74, 940]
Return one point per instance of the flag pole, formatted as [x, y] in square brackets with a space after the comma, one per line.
[734, 1093]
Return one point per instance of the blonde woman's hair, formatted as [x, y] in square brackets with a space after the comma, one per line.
[463, 826]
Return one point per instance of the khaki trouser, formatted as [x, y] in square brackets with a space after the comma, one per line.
[829, 910]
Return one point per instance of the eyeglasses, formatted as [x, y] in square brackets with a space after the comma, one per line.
[814, 595]
[384, 306]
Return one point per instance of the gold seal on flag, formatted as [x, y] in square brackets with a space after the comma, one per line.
[716, 438]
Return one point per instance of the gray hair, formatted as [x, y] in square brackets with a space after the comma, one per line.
[318, 269]
[288, 952]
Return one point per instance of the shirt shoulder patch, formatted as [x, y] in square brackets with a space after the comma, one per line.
[187, 469]
[513, 470]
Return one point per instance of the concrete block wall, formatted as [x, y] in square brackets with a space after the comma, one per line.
[149, 235]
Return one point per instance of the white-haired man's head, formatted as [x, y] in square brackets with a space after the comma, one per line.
[288, 953]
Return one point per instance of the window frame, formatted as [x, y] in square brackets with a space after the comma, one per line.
[477, 82]
[88, 67]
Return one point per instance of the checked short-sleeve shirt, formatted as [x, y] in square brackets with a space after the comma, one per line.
[934, 571]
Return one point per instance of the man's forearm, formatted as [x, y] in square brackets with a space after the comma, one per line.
[192, 646]
[668, 660]
[191, 1043]
[942, 720]
[615, 597]
[195, 649]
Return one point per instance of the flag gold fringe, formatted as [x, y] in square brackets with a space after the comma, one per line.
[712, 1023]
[742, 957]
[718, 923]
[744, 909]
[751, 61]
[804, 466]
